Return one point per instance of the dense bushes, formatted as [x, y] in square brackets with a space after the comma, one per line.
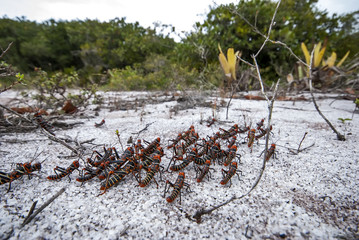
[127, 56]
[156, 73]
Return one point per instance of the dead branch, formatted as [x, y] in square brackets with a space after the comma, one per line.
[305, 134]
[340, 137]
[267, 39]
[27, 220]
[17, 114]
[9, 87]
[48, 134]
[4, 51]
[198, 215]
[30, 211]
[269, 30]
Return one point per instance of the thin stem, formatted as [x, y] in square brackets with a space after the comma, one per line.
[340, 136]
[269, 30]
[4, 51]
[267, 39]
[248, 63]
[260, 79]
[300, 144]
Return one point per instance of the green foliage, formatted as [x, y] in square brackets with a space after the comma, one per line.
[90, 46]
[343, 120]
[296, 22]
[19, 77]
[356, 102]
[52, 89]
[125, 79]
[156, 73]
[121, 50]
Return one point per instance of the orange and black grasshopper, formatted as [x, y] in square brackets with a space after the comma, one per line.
[204, 171]
[230, 132]
[100, 123]
[151, 146]
[99, 158]
[271, 152]
[115, 177]
[20, 170]
[251, 136]
[227, 175]
[232, 142]
[113, 166]
[91, 173]
[263, 132]
[260, 124]
[148, 160]
[210, 123]
[176, 188]
[230, 155]
[64, 172]
[175, 141]
[202, 160]
[43, 124]
[190, 157]
[151, 171]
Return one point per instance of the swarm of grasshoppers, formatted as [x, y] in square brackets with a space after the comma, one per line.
[143, 160]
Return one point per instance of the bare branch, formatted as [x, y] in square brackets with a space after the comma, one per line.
[267, 39]
[290, 51]
[300, 144]
[30, 211]
[248, 63]
[260, 78]
[198, 215]
[340, 136]
[269, 30]
[4, 51]
[27, 220]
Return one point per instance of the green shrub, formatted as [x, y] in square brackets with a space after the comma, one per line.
[52, 89]
[156, 73]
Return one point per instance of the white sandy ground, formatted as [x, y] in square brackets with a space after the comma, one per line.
[311, 195]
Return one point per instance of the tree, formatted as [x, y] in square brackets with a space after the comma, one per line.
[296, 22]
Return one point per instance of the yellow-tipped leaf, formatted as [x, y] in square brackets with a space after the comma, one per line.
[331, 60]
[306, 53]
[320, 56]
[224, 64]
[343, 59]
[231, 58]
[316, 57]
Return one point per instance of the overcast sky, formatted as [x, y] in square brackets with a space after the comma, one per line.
[182, 14]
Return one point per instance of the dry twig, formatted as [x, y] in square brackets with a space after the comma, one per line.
[4, 51]
[340, 136]
[28, 219]
[30, 211]
[300, 144]
[49, 135]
